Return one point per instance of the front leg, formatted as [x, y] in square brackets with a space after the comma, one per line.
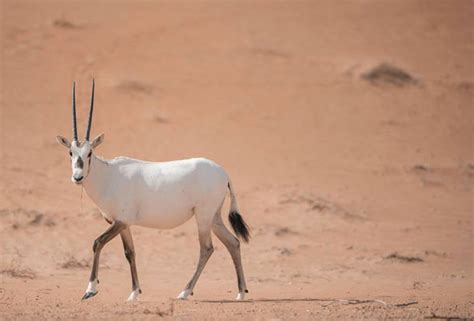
[99, 243]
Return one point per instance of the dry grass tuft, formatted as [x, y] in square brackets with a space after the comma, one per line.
[403, 258]
[386, 74]
[64, 24]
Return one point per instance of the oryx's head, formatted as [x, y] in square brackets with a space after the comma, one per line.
[80, 152]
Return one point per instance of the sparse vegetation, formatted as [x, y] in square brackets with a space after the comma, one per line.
[386, 74]
[404, 258]
[16, 272]
[73, 263]
[64, 24]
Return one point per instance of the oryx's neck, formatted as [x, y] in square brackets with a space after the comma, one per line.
[97, 180]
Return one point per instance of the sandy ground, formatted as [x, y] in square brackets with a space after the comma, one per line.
[357, 180]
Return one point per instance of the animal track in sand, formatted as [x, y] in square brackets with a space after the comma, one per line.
[72, 262]
[23, 218]
[135, 86]
[282, 231]
[449, 177]
[17, 272]
[321, 205]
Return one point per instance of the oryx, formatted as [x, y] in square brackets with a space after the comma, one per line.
[160, 195]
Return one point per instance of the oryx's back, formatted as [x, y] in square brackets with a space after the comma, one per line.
[166, 192]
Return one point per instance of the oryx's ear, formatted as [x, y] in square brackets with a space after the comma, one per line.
[97, 141]
[63, 141]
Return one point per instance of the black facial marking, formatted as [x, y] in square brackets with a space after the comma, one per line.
[80, 162]
[70, 153]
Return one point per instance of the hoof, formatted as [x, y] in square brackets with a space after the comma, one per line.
[88, 295]
[184, 295]
[240, 296]
[134, 296]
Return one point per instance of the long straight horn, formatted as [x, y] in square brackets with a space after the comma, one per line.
[74, 121]
[91, 110]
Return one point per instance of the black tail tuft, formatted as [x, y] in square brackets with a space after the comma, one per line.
[239, 226]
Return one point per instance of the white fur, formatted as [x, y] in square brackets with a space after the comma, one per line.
[133, 296]
[184, 295]
[159, 195]
[240, 296]
[92, 287]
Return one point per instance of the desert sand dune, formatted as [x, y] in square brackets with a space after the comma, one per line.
[346, 127]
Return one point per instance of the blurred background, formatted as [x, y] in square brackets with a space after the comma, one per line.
[346, 126]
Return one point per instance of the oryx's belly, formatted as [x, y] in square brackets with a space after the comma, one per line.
[164, 220]
[158, 213]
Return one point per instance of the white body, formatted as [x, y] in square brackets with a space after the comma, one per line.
[160, 195]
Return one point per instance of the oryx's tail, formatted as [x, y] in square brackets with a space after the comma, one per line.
[236, 220]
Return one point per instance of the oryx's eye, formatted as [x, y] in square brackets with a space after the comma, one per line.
[90, 153]
[70, 153]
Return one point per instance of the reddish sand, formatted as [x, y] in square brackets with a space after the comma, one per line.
[358, 190]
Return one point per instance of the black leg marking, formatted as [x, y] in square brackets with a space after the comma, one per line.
[99, 243]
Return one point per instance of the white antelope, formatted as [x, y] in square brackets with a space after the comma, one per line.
[160, 195]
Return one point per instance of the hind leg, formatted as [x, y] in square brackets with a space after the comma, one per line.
[129, 250]
[205, 252]
[233, 246]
